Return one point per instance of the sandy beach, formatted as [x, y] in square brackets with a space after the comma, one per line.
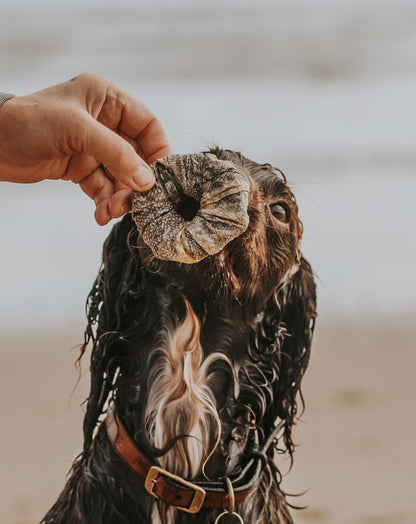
[356, 439]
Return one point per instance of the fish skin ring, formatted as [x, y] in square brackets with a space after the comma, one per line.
[222, 192]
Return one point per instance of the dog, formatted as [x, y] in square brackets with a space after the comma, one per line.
[195, 372]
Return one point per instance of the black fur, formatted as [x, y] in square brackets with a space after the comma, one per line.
[248, 309]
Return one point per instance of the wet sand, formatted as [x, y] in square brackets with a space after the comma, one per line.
[356, 439]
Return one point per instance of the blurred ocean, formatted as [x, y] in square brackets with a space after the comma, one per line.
[325, 90]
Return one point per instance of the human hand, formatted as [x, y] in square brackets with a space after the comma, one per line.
[86, 130]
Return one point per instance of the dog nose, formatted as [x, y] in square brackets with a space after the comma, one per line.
[197, 206]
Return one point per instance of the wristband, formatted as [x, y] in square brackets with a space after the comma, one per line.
[4, 97]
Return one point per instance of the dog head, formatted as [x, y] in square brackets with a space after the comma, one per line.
[250, 265]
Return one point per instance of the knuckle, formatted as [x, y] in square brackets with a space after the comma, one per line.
[88, 78]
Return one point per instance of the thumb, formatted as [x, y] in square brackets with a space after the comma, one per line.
[115, 153]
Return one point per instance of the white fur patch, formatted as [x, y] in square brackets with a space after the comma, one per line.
[181, 402]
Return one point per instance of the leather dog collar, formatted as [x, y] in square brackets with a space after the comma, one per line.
[176, 491]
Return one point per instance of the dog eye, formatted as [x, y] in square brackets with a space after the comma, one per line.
[280, 212]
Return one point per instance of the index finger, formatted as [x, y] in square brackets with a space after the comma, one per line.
[137, 121]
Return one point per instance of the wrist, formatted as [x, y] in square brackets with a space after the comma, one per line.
[4, 137]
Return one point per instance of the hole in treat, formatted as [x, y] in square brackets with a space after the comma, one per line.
[187, 207]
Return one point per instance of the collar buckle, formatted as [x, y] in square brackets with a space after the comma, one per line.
[198, 496]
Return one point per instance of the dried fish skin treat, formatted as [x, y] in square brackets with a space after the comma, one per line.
[220, 189]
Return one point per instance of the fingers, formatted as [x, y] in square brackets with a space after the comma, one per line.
[111, 198]
[116, 154]
[114, 207]
[153, 142]
[124, 112]
[147, 131]
[79, 167]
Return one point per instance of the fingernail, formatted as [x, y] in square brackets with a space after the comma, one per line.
[144, 178]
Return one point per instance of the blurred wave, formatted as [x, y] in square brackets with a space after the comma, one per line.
[198, 40]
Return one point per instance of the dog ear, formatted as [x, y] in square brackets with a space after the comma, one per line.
[298, 316]
[106, 301]
[288, 325]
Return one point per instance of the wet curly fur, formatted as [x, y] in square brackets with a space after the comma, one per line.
[199, 359]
